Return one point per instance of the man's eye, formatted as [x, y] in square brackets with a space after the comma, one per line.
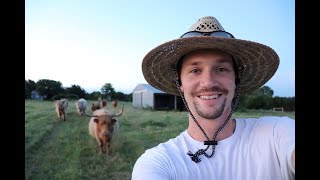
[222, 69]
[194, 70]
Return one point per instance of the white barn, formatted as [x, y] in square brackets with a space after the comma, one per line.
[146, 96]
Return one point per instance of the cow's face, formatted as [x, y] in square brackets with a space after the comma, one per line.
[104, 103]
[93, 107]
[105, 127]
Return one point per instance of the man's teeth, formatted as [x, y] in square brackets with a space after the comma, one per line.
[209, 97]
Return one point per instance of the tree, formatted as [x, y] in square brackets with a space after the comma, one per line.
[29, 86]
[259, 102]
[76, 90]
[122, 97]
[95, 95]
[258, 99]
[49, 88]
[288, 103]
[264, 91]
[107, 91]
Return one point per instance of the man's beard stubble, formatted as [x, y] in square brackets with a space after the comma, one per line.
[218, 110]
[215, 113]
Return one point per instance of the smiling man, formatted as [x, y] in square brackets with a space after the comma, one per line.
[210, 69]
[208, 84]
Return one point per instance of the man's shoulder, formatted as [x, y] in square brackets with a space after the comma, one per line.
[265, 122]
[264, 119]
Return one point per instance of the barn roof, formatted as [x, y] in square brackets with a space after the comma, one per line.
[150, 88]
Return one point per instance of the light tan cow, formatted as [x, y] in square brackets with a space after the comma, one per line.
[61, 107]
[102, 127]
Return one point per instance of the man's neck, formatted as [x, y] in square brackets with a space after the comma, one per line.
[210, 127]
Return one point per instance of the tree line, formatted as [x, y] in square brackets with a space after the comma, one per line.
[52, 90]
[262, 98]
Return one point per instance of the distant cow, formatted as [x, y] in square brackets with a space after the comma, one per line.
[81, 106]
[98, 105]
[102, 126]
[61, 108]
[114, 103]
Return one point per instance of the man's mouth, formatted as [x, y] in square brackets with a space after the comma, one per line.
[205, 97]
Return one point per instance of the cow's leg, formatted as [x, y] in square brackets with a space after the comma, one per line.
[60, 116]
[108, 148]
[100, 147]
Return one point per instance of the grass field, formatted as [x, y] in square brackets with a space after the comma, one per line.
[65, 150]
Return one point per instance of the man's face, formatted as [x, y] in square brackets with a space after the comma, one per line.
[208, 82]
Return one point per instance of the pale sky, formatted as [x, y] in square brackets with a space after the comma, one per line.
[90, 43]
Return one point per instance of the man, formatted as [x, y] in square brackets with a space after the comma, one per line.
[209, 69]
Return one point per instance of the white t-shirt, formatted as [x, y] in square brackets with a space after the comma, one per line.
[259, 149]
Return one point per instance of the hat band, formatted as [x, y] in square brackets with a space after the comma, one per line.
[213, 33]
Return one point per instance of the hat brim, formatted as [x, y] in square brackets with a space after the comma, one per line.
[260, 61]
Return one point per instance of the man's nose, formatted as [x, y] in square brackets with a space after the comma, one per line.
[209, 79]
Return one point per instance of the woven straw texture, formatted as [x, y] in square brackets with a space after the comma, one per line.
[260, 61]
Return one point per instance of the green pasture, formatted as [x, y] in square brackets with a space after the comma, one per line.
[65, 150]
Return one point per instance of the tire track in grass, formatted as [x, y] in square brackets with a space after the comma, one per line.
[46, 161]
[31, 153]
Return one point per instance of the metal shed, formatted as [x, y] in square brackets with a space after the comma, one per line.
[36, 95]
[146, 96]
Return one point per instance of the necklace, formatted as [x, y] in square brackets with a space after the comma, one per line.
[195, 156]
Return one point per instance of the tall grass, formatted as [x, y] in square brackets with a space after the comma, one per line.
[65, 150]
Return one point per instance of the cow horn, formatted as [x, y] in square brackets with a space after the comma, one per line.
[119, 113]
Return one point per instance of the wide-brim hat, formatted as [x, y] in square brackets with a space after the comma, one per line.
[259, 62]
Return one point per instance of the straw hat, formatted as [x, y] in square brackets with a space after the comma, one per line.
[260, 61]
